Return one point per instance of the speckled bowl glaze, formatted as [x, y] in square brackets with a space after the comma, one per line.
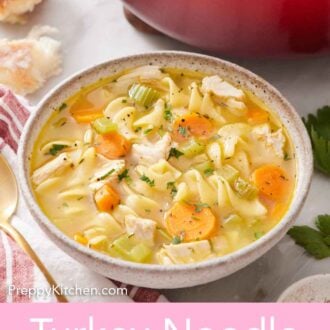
[312, 289]
[158, 276]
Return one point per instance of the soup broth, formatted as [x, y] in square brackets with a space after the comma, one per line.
[164, 166]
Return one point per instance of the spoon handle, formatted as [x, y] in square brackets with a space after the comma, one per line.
[21, 241]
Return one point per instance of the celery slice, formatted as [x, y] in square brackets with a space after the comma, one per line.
[128, 248]
[192, 148]
[104, 126]
[143, 95]
[140, 253]
[123, 245]
[229, 173]
[245, 189]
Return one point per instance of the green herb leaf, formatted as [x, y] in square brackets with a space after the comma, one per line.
[62, 106]
[318, 127]
[106, 175]
[175, 153]
[168, 112]
[286, 156]
[56, 148]
[123, 175]
[208, 171]
[200, 206]
[176, 240]
[147, 180]
[147, 131]
[172, 187]
[183, 131]
[323, 223]
[311, 240]
[326, 240]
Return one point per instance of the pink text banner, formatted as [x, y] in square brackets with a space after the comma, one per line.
[201, 316]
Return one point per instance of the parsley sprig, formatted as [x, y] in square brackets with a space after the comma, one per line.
[175, 153]
[147, 180]
[315, 242]
[172, 187]
[318, 127]
[168, 113]
[56, 148]
[200, 206]
[124, 175]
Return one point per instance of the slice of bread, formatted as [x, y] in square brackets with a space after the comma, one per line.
[26, 64]
[13, 11]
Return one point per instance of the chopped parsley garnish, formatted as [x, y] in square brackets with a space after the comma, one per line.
[168, 113]
[286, 156]
[62, 106]
[315, 242]
[147, 180]
[183, 131]
[138, 129]
[81, 161]
[176, 240]
[318, 127]
[124, 101]
[147, 131]
[61, 122]
[200, 206]
[171, 186]
[208, 171]
[56, 148]
[106, 175]
[123, 175]
[175, 153]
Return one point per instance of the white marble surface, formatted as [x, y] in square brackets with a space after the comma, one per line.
[93, 31]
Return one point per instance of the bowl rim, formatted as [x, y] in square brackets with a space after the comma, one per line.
[262, 243]
[295, 286]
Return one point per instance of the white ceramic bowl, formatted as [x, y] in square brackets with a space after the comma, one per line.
[313, 289]
[158, 276]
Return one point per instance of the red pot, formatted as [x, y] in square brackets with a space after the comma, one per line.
[242, 27]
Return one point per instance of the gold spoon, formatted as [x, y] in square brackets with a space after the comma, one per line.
[8, 205]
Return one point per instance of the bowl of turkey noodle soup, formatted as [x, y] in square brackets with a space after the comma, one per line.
[166, 169]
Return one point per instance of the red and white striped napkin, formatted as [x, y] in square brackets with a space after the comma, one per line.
[17, 270]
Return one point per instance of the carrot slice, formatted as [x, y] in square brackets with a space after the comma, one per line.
[112, 145]
[192, 124]
[257, 116]
[271, 181]
[87, 115]
[106, 198]
[190, 222]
